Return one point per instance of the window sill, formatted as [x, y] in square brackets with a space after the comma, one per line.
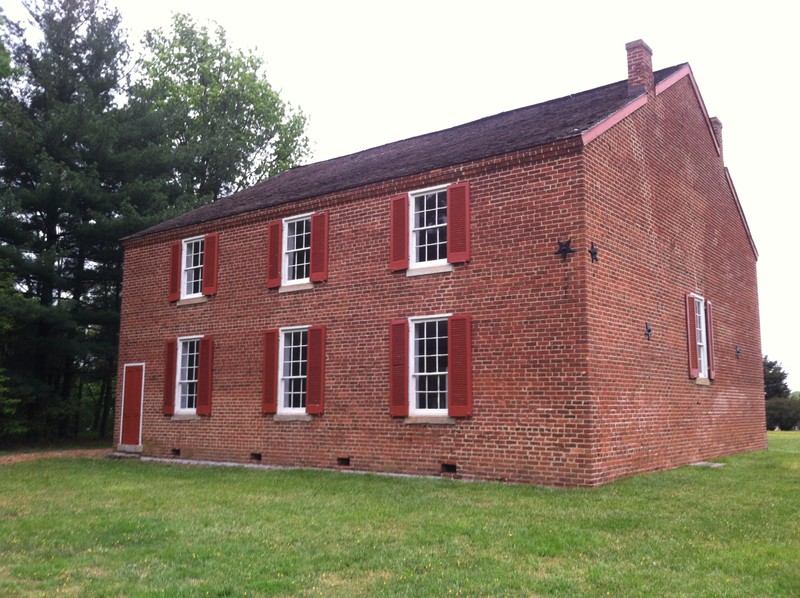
[422, 270]
[292, 417]
[290, 288]
[185, 417]
[192, 301]
[433, 420]
[702, 381]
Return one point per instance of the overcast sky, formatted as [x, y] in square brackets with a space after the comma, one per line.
[367, 73]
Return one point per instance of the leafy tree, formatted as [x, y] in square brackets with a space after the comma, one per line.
[66, 196]
[782, 413]
[774, 379]
[5, 61]
[86, 158]
[226, 126]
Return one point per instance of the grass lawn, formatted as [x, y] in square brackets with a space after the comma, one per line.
[80, 527]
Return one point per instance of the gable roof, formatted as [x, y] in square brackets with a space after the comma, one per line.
[510, 131]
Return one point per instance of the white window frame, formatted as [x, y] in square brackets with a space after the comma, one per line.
[185, 269]
[285, 250]
[179, 375]
[413, 410]
[701, 332]
[282, 379]
[440, 264]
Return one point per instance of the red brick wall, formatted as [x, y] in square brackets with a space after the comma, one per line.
[530, 391]
[543, 328]
[660, 209]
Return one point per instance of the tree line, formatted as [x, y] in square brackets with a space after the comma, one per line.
[96, 143]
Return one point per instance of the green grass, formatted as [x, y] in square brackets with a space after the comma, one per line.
[109, 528]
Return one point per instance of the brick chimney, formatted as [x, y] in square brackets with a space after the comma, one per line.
[640, 68]
[716, 125]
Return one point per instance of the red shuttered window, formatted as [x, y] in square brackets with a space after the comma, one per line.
[188, 375]
[430, 363]
[700, 338]
[193, 267]
[430, 228]
[294, 370]
[297, 250]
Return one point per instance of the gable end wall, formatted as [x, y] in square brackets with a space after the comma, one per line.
[661, 210]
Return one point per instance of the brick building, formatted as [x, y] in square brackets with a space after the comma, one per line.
[562, 294]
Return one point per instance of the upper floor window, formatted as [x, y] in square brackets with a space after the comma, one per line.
[193, 267]
[297, 250]
[699, 318]
[428, 240]
[430, 229]
[192, 270]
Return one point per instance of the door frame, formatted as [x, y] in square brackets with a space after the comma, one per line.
[122, 405]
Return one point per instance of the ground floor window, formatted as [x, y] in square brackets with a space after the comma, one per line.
[428, 355]
[293, 368]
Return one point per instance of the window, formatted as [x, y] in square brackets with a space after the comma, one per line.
[699, 319]
[193, 267]
[294, 362]
[428, 353]
[294, 370]
[188, 367]
[431, 366]
[188, 375]
[430, 228]
[297, 250]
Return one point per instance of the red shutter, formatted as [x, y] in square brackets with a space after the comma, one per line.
[205, 371]
[459, 366]
[210, 263]
[691, 334]
[170, 358]
[175, 251]
[458, 223]
[315, 393]
[398, 368]
[712, 373]
[269, 389]
[274, 250]
[398, 223]
[319, 247]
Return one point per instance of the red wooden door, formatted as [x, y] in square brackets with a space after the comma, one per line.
[132, 404]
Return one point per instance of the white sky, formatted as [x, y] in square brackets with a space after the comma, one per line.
[371, 72]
